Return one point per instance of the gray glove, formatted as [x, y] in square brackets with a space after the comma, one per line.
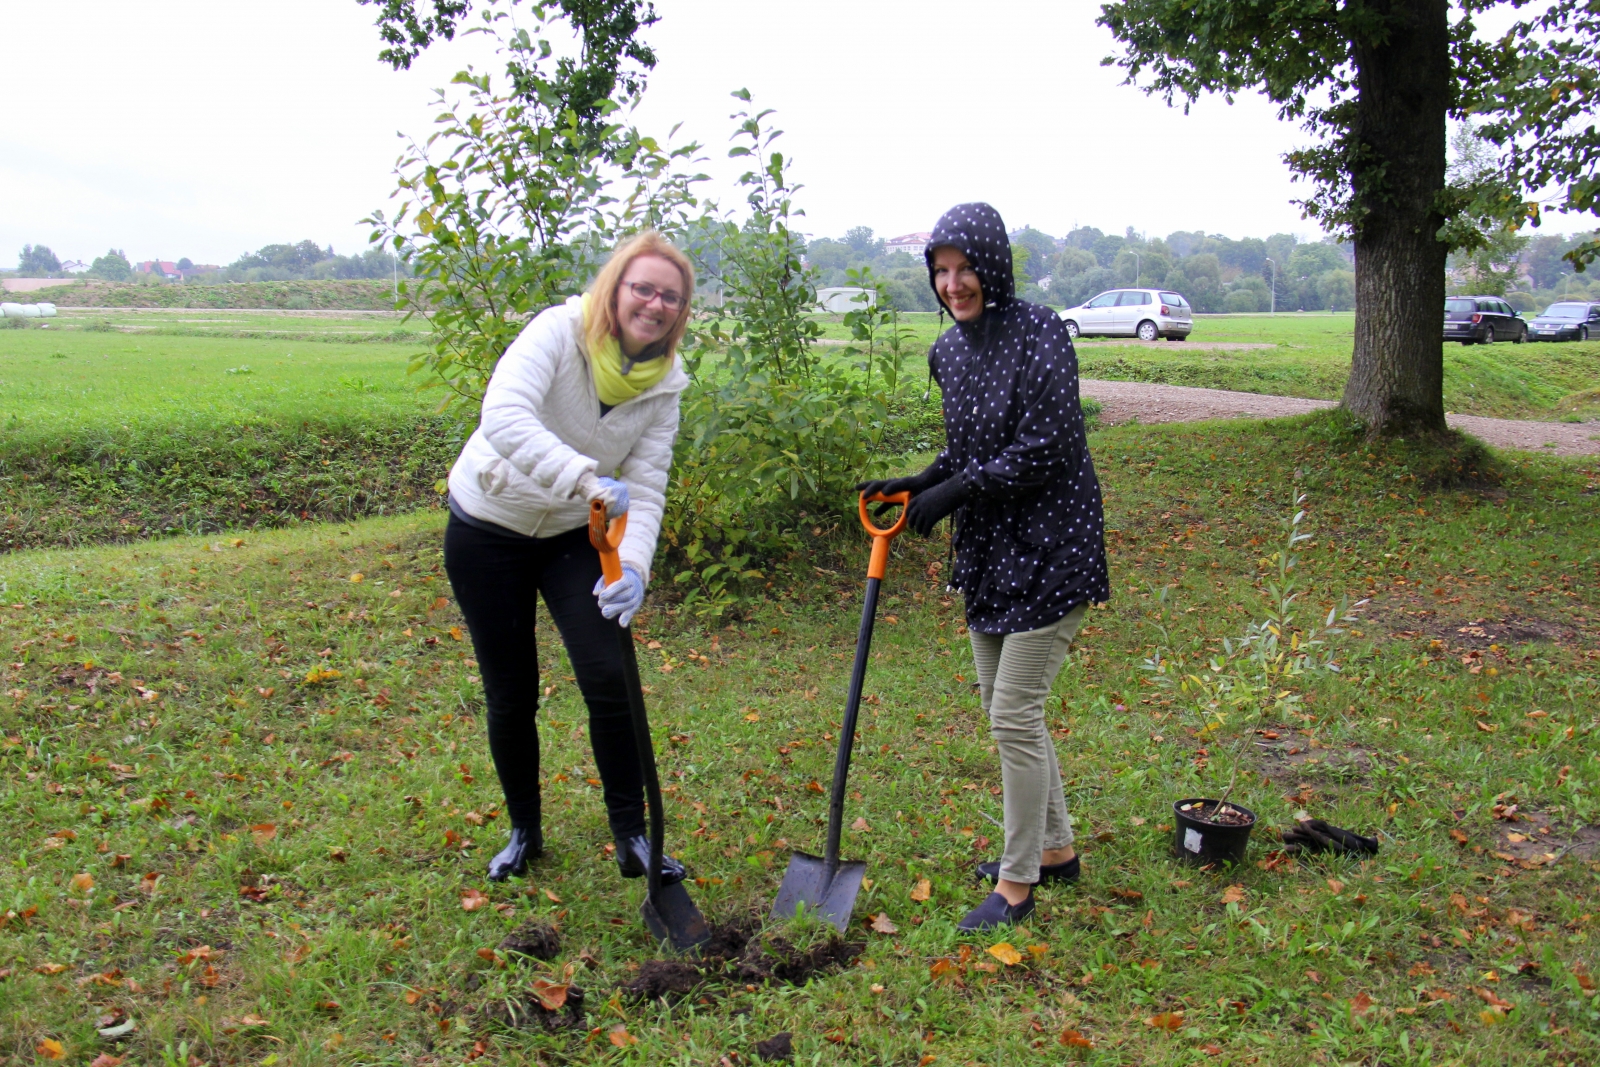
[621, 599]
[612, 491]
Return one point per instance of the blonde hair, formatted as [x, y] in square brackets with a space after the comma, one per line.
[603, 323]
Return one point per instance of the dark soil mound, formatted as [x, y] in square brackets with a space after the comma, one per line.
[776, 1047]
[672, 979]
[536, 939]
[529, 1014]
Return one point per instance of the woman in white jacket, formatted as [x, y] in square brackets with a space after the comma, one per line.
[582, 406]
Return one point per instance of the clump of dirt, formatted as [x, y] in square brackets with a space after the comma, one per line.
[672, 979]
[776, 1048]
[529, 1014]
[1532, 839]
[537, 939]
[737, 952]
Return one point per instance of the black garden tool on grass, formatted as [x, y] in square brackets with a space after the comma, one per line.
[667, 909]
[824, 885]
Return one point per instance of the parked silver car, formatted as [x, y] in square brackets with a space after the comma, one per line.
[1142, 313]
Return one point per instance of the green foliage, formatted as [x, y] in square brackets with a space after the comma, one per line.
[772, 430]
[318, 295]
[1241, 300]
[510, 207]
[37, 261]
[111, 267]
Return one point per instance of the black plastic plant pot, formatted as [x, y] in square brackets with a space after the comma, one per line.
[1199, 841]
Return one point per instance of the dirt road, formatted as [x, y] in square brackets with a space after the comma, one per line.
[1149, 403]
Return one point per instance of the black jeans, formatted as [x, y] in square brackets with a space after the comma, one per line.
[496, 578]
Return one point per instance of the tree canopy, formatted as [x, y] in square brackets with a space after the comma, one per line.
[37, 261]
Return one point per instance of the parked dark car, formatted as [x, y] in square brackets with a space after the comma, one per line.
[1479, 320]
[1569, 320]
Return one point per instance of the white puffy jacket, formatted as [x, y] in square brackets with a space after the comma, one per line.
[542, 430]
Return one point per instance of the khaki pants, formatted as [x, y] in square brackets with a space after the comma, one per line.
[1015, 673]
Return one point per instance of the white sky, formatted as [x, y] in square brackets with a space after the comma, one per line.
[205, 128]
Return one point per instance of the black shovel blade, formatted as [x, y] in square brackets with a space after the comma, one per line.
[673, 918]
[808, 885]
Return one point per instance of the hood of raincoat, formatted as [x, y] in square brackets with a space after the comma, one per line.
[979, 232]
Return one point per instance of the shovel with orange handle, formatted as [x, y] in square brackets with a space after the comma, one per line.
[824, 885]
[668, 910]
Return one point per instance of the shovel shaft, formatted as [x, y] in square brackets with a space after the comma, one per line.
[847, 735]
[647, 758]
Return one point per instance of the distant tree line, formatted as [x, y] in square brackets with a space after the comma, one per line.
[307, 259]
[1214, 273]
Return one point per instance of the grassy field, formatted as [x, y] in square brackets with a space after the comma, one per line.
[1310, 357]
[251, 805]
[295, 295]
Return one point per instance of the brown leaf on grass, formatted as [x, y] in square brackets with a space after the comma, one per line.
[472, 900]
[1005, 953]
[65, 835]
[264, 832]
[413, 995]
[1167, 1020]
[551, 894]
[1360, 1004]
[50, 1049]
[489, 955]
[922, 890]
[620, 1037]
[254, 893]
[106, 1059]
[860, 825]
[329, 1006]
[83, 882]
[551, 995]
[1074, 1039]
[1489, 998]
[1234, 894]
[941, 967]
[1421, 969]
[50, 968]
[253, 1020]
[1336, 885]
[1458, 837]
[1126, 894]
[884, 925]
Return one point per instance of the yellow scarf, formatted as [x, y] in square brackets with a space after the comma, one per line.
[616, 378]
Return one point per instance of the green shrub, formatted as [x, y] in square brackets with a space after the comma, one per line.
[1241, 300]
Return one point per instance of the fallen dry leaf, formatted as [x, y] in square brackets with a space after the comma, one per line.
[1126, 894]
[551, 995]
[1493, 1001]
[1074, 1039]
[50, 1049]
[413, 995]
[552, 895]
[884, 925]
[106, 1059]
[50, 968]
[472, 900]
[922, 890]
[83, 882]
[1360, 1004]
[1336, 885]
[620, 1037]
[1234, 894]
[860, 824]
[1167, 1020]
[252, 1020]
[1006, 954]
[264, 832]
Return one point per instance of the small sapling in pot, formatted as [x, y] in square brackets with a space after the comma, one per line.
[1256, 678]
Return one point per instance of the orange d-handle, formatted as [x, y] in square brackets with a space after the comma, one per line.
[879, 563]
[606, 537]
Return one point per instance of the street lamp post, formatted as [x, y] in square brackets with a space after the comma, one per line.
[1274, 286]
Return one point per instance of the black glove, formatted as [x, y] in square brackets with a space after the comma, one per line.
[931, 505]
[916, 483]
[1314, 835]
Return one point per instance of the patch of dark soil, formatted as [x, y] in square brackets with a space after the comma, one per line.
[778, 1047]
[1467, 634]
[1207, 811]
[1286, 755]
[671, 979]
[737, 952]
[1532, 839]
[537, 939]
[90, 678]
[529, 1014]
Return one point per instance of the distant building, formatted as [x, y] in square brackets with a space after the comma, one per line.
[167, 270]
[912, 244]
[842, 298]
[74, 266]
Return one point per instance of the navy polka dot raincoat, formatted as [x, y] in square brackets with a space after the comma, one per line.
[1030, 539]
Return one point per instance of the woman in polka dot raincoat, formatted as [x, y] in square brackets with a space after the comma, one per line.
[1029, 529]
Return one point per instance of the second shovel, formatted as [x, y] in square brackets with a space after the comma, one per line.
[824, 885]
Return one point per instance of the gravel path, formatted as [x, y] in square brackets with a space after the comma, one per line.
[1149, 403]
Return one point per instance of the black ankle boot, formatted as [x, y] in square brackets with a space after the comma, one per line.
[525, 845]
[1052, 872]
[633, 858]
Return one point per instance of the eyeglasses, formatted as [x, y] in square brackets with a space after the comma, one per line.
[645, 291]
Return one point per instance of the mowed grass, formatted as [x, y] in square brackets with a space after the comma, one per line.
[59, 382]
[1308, 355]
[250, 802]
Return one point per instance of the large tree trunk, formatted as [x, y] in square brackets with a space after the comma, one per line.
[1396, 381]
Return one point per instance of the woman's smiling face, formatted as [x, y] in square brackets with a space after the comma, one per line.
[956, 282]
[644, 322]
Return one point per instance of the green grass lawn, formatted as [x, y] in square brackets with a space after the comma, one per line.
[1310, 358]
[249, 802]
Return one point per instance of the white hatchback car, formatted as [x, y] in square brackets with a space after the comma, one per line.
[1143, 313]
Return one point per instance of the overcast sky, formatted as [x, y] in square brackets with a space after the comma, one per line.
[204, 128]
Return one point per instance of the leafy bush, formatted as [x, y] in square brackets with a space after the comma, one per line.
[1241, 300]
